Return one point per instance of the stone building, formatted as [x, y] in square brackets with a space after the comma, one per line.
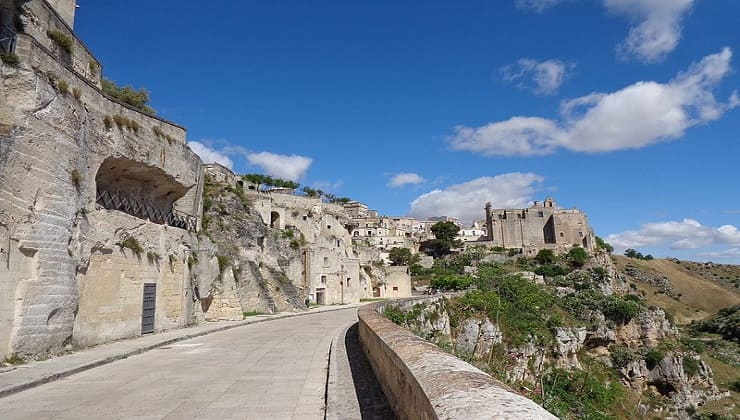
[99, 201]
[542, 225]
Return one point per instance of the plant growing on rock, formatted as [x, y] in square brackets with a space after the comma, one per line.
[132, 244]
[61, 39]
[10, 59]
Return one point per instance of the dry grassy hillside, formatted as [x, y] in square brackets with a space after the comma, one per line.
[701, 288]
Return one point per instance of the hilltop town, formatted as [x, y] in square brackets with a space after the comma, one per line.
[111, 227]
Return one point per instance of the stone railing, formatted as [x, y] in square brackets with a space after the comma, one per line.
[421, 381]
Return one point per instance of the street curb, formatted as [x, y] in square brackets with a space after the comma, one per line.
[330, 396]
[96, 363]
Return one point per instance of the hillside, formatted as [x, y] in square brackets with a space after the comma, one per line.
[694, 290]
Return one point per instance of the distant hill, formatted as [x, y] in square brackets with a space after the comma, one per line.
[699, 289]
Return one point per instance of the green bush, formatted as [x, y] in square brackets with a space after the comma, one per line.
[620, 309]
[579, 394]
[64, 41]
[545, 256]
[622, 356]
[10, 59]
[653, 358]
[137, 98]
[451, 282]
[132, 244]
[577, 257]
[690, 366]
[395, 314]
[551, 270]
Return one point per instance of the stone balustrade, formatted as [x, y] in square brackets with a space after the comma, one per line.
[421, 381]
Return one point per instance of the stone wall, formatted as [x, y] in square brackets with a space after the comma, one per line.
[56, 131]
[423, 382]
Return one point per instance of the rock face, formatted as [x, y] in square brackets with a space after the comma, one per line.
[631, 346]
[74, 269]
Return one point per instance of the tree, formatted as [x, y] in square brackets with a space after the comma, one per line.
[402, 256]
[310, 192]
[445, 231]
[545, 256]
[577, 256]
[435, 247]
[630, 253]
[604, 245]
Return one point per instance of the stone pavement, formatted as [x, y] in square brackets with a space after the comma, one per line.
[352, 391]
[21, 377]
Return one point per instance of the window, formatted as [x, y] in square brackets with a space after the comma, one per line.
[395, 288]
[328, 226]
[580, 234]
[348, 279]
[540, 214]
[562, 234]
[326, 261]
[323, 279]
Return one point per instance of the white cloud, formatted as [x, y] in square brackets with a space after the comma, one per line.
[538, 6]
[657, 26]
[290, 167]
[209, 155]
[466, 200]
[727, 254]
[636, 116]
[405, 178]
[686, 234]
[541, 77]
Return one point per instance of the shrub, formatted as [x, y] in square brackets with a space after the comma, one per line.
[579, 394]
[577, 257]
[653, 358]
[690, 366]
[13, 359]
[10, 59]
[137, 98]
[223, 262]
[735, 385]
[545, 256]
[551, 270]
[451, 282]
[62, 40]
[108, 122]
[395, 314]
[93, 66]
[132, 244]
[622, 356]
[76, 178]
[62, 86]
[620, 309]
[77, 93]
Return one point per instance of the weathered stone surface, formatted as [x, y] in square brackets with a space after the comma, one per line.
[423, 382]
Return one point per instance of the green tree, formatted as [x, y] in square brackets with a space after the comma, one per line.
[604, 245]
[435, 247]
[310, 192]
[545, 256]
[402, 256]
[445, 231]
[577, 256]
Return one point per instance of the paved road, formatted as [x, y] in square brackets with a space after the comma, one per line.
[272, 370]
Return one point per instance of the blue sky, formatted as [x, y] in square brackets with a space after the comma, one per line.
[625, 109]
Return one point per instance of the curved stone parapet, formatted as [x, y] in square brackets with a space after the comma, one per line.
[421, 381]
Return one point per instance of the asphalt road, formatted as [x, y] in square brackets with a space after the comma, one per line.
[272, 370]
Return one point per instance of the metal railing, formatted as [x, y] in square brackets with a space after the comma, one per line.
[120, 202]
[7, 39]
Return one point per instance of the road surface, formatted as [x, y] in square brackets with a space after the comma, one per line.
[271, 370]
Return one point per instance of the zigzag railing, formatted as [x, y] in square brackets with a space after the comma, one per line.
[7, 39]
[120, 202]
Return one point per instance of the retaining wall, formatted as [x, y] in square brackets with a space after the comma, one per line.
[423, 382]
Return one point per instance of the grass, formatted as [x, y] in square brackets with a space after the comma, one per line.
[62, 86]
[13, 360]
[108, 122]
[63, 41]
[122, 122]
[252, 313]
[133, 245]
[162, 135]
[153, 256]
[10, 59]
[77, 93]
[76, 178]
